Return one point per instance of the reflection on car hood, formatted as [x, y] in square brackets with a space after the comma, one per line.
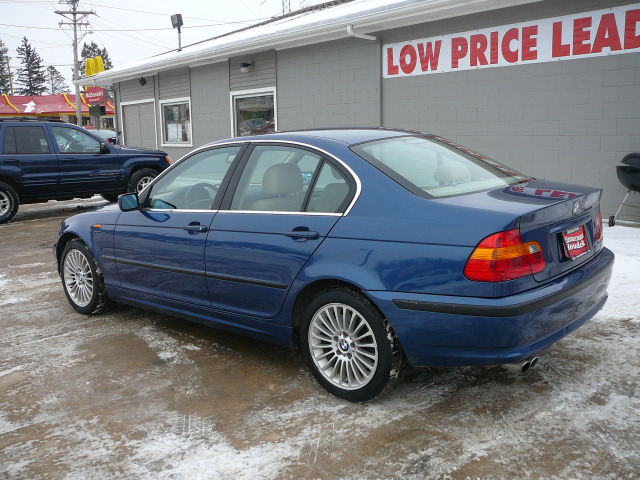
[144, 151]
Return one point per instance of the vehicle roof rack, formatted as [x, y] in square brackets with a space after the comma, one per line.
[31, 119]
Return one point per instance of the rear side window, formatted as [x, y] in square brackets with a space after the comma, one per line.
[432, 167]
[24, 140]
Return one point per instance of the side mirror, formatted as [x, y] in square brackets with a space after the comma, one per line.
[104, 148]
[128, 202]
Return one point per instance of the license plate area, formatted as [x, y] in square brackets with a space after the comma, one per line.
[575, 242]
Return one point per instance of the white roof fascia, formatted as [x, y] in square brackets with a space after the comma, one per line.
[317, 26]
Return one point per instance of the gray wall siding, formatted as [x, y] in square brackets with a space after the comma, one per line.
[174, 84]
[131, 90]
[210, 111]
[330, 84]
[570, 121]
[263, 73]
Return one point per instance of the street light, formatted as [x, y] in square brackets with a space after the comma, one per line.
[176, 22]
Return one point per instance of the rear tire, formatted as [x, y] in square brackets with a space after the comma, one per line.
[140, 179]
[350, 348]
[612, 220]
[8, 203]
[82, 279]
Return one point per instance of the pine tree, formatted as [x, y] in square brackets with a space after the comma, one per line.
[92, 50]
[5, 81]
[31, 77]
[55, 81]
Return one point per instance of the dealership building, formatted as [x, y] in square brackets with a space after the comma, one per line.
[551, 88]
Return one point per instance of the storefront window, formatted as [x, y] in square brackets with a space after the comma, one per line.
[254, 114]
[176, 122]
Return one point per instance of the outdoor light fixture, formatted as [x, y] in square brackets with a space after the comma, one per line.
[142, 81]
[246, 67]
[176, 22]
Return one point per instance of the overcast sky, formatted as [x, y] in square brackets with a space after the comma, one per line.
[130, 30]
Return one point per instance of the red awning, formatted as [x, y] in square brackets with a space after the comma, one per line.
[44, 105]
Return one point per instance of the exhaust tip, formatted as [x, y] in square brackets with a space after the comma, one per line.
[534, 362]
[525, 366]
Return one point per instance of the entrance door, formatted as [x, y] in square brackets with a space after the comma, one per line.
[139, 125]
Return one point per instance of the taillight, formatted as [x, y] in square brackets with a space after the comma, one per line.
[502, 256]
[168, 159]
[599, 226]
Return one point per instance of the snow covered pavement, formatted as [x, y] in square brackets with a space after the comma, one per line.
[132, 394]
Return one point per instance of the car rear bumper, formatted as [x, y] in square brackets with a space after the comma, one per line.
[447, 330]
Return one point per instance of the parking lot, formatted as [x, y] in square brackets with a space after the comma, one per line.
[134, 394]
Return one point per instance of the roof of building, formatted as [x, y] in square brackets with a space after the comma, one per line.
[321, 23]
[43, 105]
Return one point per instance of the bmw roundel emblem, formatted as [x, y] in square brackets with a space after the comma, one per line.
[576, 206]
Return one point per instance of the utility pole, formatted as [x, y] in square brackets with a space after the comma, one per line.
[76, 19]
[10, 77]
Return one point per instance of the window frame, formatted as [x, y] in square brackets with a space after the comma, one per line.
[256, 92]
[175, 101]
[355, 186]
[220, 195]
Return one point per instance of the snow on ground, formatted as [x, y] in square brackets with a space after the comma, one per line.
[135, 395]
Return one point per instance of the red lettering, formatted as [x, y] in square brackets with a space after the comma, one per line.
[509, 55]
[459, 49]
[429, 55]
[631, 39]
[478, 47]
[559, 194]
[408, 66]
[529, 43]
[607, 34]
[559, 49]
[541, 191]
[391, 68]
[494, 48]
[581, 36]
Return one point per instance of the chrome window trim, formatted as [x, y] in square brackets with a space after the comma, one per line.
[287, 142]
[312, 147]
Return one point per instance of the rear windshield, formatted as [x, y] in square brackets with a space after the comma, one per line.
[435, 167]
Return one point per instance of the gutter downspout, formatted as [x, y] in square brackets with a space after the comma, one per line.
[352, 33]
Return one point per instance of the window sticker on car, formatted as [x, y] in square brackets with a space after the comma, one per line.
[575, 242]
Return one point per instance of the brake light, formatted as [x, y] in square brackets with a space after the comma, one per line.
[503, 256]
[599, 226]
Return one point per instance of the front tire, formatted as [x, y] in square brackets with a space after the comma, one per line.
[349, 346]
[8, 203]
[140, 179]
[82, 279]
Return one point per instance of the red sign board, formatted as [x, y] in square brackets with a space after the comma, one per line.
[94, 95]
[575, 242]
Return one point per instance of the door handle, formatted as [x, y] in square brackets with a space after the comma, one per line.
[303, 234]
[196, 228]
[69, 160]
[11, 160]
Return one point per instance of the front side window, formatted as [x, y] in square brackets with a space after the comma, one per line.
[254, 114]
[275, 178]
[433, 167]
[25, 140]
[70, 140]
[176, 122]
[193, 183]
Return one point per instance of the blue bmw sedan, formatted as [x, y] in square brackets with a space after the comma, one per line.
[368, 249]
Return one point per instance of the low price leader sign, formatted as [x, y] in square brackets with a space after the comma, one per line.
[94, 95]
[598, 33]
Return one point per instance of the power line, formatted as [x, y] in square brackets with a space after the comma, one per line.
[123, 29]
